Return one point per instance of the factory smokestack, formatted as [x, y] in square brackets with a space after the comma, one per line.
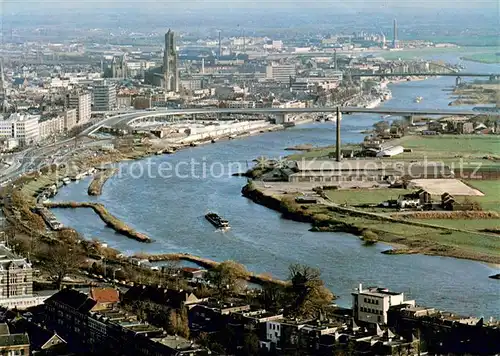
[395, 34]
[338, 134]
[220, 45]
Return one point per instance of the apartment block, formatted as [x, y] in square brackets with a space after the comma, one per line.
[82, 102]
[22, 127]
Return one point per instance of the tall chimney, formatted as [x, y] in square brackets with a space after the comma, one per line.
[395, 38]
[335, 58]
[338, 134]
[220, 45]
[360, 289]
[203, 66]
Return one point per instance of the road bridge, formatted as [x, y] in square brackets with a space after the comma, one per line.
[282, 113]
[458, 75]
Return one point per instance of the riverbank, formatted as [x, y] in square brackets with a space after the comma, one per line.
[417, 237]
[95, 187]
[473, 94]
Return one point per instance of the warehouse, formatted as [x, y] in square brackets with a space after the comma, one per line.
[365, 171]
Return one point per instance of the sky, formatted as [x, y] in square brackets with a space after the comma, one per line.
[353, 5]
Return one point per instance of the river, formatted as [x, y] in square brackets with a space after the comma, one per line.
[171, 209]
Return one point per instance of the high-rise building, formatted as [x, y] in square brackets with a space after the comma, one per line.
[170, 71]
[104, 96]
[82, 102]
[395, 35]
[21, 127]
[281, 72]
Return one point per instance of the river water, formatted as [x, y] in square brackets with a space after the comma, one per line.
[171, 209]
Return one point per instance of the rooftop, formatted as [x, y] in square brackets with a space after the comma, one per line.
[176, 342]
[105, 295]
[14, 340]
[377, 292]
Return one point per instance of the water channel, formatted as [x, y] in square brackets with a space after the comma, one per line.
[171, 210]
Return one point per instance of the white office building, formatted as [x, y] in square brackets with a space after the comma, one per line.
[104, 96]
[371, 305]
[21, 127]
[82, 102]
[281, 72]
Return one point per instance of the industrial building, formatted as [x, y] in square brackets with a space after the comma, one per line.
[365, 170]
[281, 72]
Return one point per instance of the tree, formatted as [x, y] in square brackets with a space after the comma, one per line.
[307, 293]
[226, 278]
[250, 344]
[178, 323]
[273, 296]
[381, 126]
[60, 260]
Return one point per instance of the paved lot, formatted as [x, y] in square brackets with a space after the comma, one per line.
[450, 186]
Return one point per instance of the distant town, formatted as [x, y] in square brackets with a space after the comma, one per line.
[423, 180]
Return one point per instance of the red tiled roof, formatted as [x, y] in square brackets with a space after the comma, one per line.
[104, 295]
[190, 269]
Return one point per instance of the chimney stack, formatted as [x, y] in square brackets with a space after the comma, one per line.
[360, 289]
[338, 134]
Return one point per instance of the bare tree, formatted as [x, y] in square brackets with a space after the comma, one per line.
[307, 293]
[60, 260]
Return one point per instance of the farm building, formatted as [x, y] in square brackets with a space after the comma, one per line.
[391, 151]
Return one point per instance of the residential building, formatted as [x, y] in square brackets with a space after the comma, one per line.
[104, 96]
[105, 297]
[23, 127]
[16, 280]
[74, 316]
[51, 126]
[82, 102]
[123, 101]
[13, 344]
[191, 84]
[371, 305]
[281, 72]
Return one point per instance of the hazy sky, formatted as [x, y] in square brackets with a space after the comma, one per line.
[357, 5]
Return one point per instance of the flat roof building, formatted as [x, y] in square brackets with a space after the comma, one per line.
[23, 127]
[371, 305]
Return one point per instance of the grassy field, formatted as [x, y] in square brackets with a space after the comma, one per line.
[426, 239]
[491, 191]
[455, 150]
[465, 224]
[488, 58]
[364, 196]
[422, 52]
